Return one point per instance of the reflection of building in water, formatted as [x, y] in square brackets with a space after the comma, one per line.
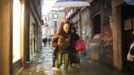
[51, 22]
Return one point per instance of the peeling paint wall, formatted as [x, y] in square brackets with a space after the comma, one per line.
[86, 27]
[100, 45]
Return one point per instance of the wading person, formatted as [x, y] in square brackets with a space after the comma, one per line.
[54, 46]
[64, 37]
[73, 54]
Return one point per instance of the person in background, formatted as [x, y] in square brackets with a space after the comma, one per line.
[54, 46]
[74, 55]
[45, 41]
[48, 39]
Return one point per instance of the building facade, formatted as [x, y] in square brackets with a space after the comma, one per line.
[106, 26]
[17, 18]
[51, 22]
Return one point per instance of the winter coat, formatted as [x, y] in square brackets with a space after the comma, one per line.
[74, 38]
[64, 43]
[54, 41]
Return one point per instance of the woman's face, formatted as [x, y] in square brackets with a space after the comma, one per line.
[72, 30]
[66, 28]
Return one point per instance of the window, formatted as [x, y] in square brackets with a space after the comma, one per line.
[55, 16]
[55, 24]
[97, 24]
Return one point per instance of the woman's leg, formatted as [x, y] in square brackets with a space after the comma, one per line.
[78, 57]
[78, 60]
[59, 60]
[66, 60]
[54, 59]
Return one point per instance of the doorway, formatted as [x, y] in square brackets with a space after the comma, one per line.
[127, 22]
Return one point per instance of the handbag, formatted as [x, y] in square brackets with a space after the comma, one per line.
[80, 45]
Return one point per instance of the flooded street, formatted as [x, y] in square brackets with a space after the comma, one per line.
[43, 61]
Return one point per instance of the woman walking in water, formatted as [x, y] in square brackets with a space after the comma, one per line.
[64, 36]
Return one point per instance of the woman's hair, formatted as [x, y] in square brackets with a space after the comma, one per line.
[60, 30]
[72, 27]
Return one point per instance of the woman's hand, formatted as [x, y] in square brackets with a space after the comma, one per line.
[67, 39]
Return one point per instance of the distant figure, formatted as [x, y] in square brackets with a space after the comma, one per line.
[45, 41]
[48, 40]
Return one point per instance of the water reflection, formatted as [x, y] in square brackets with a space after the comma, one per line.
[42, 63]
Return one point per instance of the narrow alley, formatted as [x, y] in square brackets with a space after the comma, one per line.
[43, 62]
[104, 28]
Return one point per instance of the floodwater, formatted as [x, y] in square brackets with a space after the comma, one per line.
[43, 61]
